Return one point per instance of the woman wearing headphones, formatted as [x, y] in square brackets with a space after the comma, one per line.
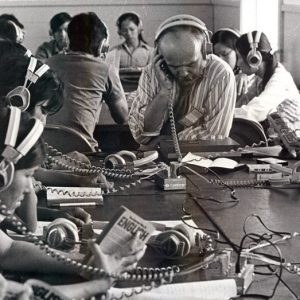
[134, 52]
[224, 45]
[22, 151]
[255, 57]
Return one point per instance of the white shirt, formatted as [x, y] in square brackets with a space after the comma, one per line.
[280, 86]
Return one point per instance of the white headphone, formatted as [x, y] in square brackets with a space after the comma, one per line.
[20, 96]
[254, 57]
[12, 153]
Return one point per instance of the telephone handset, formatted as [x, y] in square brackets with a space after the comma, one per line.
[164, 67]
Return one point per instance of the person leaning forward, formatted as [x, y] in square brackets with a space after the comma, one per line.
[200, 85]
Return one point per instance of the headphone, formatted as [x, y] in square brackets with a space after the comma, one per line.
[128, 159]
[128, 14]
[180, 241]
[254, 57]
[61, 234]
[186, 20]
[20, 96]
[19, 32]
[235, 32]
[12, 153]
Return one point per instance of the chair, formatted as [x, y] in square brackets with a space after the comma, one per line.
[247, 132]
[66, 139]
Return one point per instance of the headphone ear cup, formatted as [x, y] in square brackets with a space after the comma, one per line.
[172, 244]
[19, 97]
[254, 58]
[114, 161]
[188, 232]
[61, 234]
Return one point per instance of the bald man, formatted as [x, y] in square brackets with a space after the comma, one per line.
[201, 88]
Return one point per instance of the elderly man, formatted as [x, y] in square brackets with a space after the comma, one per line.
[199, 85]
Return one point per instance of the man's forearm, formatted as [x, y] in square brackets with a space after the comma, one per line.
[155, 113]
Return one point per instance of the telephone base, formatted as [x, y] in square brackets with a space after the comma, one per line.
[169, 183]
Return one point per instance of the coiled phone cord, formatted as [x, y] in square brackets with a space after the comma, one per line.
[172, 123]
[84, 168]
[135, 275]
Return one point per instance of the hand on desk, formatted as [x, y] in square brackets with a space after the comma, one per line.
[119, 262]
[77, 215]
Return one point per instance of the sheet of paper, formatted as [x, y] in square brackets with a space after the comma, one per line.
[199, 161]
[200, 290]
[196, 160]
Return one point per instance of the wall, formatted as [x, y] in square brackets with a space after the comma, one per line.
[226, 13]
[291, 37]
[36, 14]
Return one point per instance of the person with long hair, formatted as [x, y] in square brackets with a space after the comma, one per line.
[134, 52]
[255, 56]
[224, 45]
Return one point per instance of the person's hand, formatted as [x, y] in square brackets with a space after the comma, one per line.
[77, 156]
[123, 260]
[163, 77]
[96, 180]
[289, 111]
[241, 83]
[77, 215]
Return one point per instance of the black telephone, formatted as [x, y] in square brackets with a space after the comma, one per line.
[164, 67]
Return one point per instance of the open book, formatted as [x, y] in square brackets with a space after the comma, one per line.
[199, 161]
[121, 228]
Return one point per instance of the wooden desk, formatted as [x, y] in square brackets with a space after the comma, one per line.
[279, 209]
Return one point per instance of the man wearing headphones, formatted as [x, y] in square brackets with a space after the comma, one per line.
[88, 80]
[200, 86]
[58, 32]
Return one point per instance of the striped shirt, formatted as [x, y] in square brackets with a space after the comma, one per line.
[210, 104]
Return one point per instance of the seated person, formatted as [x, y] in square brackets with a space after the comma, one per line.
[9, 31]
[134, 52]
[255, 57]
[224, 40]
[60, 41]
[25, 257]
[13, 66]
[200, 86]
[18, 26]
[87, 79]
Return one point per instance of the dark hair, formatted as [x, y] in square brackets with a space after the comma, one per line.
[58, 20]
[10, 17]
[135, 18]
[228, 39]
[13, 70]
[264, 47]
[8, 31]
[36, 154]
[9, 48]
[86, 33]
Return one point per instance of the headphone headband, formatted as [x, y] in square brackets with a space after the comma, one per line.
[32, 76]
[11, 153]
[232, 30]
[181, 20]
[254, 57]
[19, 33]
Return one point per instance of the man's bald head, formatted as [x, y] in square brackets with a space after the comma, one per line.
[181, 47]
